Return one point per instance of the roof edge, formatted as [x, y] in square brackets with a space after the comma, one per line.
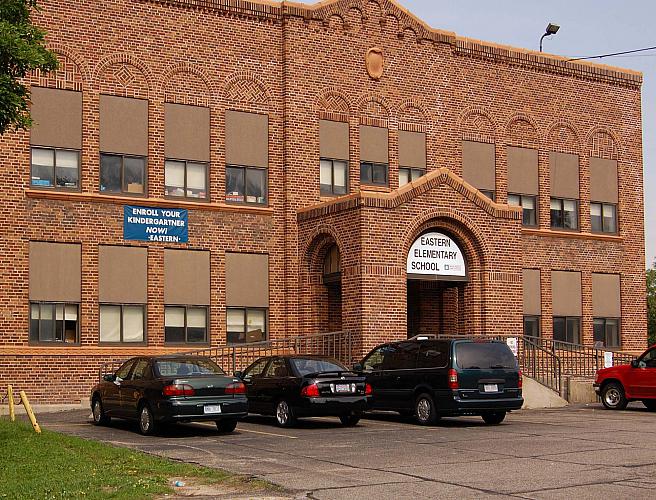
[464, 46]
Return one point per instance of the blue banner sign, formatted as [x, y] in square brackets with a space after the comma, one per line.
[155, 224]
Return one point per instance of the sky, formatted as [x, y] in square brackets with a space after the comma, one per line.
[587, 27]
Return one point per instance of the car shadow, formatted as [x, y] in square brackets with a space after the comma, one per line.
[302, 423]
[455, 422]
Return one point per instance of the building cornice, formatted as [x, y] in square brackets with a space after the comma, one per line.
[461, 46]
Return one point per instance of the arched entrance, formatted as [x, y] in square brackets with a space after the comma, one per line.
[332, 281]
[437, 274]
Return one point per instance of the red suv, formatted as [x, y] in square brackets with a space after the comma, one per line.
[620, 384]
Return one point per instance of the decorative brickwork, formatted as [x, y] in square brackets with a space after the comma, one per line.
[299, 64]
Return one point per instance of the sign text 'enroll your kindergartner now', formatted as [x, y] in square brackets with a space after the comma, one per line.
[155, 224]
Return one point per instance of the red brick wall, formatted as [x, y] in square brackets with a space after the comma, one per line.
[297, 65]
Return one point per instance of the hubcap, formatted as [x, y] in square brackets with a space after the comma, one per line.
[282, 413]
[612, 397]
[423, 409]
[97, 412]
[145, 419]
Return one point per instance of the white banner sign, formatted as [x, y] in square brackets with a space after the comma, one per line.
[512, 343]
[608, 359]
[436, 254]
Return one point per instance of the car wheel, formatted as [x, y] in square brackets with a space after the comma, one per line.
[350, 420]
[425, 412]
[284, 417]
[650, 404]
[612, 396]
[99, 416]
[494, 418]
[146, 421]
[226, 425]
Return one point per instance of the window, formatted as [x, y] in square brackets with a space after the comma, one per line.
[603, 217]
[122, 174]
[246, 325]
[433, 354]
[277, 368]
[532, 326]
[375, 360]
[407, 175]
[484, 355]
[124, 371]
[567, 329]
[606, 332]
[256, 369]
[564, 213]
[401, 356]
[122, 323]
[58, 168]
[529, 212]
[373, 173]
[488, 193]
[185, 324]
[54, 322]
[185, 179]
[333, 177]
[142, 370]
[246, 185]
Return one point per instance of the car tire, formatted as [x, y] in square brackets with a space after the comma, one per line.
[284, 415]
[98, 412]
[350, 420]
[425, 411]
[650, 404]
[226, 425]
[494, 418]
[146, 420]
[612, 396]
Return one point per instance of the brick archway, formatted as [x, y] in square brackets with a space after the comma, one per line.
[448, 307]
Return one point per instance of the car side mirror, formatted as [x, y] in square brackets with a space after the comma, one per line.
[357, 367]
[109, 377]
[634, 363]
[238, 374]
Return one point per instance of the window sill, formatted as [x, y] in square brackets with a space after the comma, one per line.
[153, 202]
[571, 234]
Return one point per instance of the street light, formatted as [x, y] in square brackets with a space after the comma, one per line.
[552, 29]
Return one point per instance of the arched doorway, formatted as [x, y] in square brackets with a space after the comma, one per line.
[437, 274]
[332, 281]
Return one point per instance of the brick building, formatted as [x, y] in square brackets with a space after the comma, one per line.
[212, 171]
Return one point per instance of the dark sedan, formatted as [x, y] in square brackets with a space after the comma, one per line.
[290, 387]
[160, 389]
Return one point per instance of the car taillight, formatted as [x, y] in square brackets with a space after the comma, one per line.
[310, 391]
[235, 388]
[520, 380]
[178, 390]
[368, 390]
[453, 379]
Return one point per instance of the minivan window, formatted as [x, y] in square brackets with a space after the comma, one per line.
[401, 356]
[484, 356]
[375, 360]
[433, 355]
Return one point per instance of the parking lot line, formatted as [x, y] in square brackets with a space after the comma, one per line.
[241, 429]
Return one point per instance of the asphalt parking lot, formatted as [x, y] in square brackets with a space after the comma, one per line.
[575, 452]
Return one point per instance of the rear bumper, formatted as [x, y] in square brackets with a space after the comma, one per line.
[176, 410]
[331, 407]
[472, 406]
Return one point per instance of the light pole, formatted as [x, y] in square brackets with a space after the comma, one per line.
[551, 29]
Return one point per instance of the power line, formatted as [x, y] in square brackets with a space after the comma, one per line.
[613, 54]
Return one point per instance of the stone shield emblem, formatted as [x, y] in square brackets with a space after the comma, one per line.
[375, 63]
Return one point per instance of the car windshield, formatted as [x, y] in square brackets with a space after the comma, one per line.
[187, 367]
[305, 366]
[484, 356]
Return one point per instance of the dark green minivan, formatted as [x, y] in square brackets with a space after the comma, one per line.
[431, 378]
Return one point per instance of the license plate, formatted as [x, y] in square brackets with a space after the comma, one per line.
[490, 388]
[212, 409]
[342, 387]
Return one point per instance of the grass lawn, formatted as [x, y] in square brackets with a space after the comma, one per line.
[53, 465]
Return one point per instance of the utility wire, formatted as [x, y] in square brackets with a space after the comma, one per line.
[613, 54]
